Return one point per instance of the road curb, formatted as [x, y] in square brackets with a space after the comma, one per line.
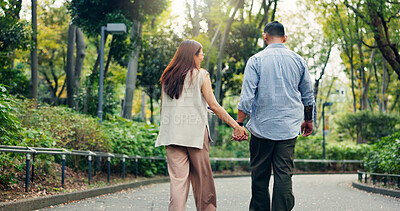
[383, 191]
[47, 201]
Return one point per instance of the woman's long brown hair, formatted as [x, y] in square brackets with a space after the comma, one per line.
[174, 75]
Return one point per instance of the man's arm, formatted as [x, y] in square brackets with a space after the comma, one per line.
[307, 97]
[251, 79]
[250, 83]
[308, 113]
[241, 116]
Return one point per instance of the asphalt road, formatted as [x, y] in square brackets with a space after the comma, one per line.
[312, 192]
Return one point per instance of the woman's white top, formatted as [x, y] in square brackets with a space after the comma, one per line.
[184, 120]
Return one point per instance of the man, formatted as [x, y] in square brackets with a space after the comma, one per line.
[277, 93]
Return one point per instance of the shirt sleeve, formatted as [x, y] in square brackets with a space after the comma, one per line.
[306, 86]
[249, 87]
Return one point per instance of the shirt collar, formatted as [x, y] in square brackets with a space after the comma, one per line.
[276, 45]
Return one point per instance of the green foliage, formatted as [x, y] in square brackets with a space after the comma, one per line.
[308, 147]
[158, 47]
[135, 138]
[10, 134]
[60, 127]
[87, 97]
[311, 148]
[384, 157]
[16, 81]
[371, 126]
[92, 15]
[14, 35]
[9, 122]
[225, 147]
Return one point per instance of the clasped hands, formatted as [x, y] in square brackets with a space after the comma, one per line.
[239, 134]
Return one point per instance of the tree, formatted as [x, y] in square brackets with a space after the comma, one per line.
[52, 28]
[381, 16]
[138, 12]
[91, 15]
[14, 35]
[157, 50]
[74, 68]
[34, 59]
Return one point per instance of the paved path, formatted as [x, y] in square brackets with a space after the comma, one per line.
[313, 192]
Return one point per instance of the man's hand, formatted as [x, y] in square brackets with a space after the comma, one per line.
[239, 134]
[307, 128]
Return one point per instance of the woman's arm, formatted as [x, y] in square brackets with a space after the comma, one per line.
[162, 90]
[217, 109]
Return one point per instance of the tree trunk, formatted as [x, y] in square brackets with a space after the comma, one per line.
[70, 65]
[34, 59]
[55, 79]
[151, 105]
[348, 46]
[365, 86]
[385, 83]
[132, 70]
[378, 101]
[109, 57]
[196, 27]
[379, 27]
[80, 56]
[209, 48]
[274, 10]
[395, 101]
[381, 35]
[218, 84]
[316, 84]
[88, 94]
[143, 107]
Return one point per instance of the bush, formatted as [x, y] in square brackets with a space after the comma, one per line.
[384, 157]
[10, 134]
[61, 127]
[135, 138]
[311, 148]
[308, 147]
[50, 126]
[225, 147]
[9, 122]
[368, 126]
[87, 97]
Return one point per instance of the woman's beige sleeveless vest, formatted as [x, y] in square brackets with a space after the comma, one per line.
[184, 120]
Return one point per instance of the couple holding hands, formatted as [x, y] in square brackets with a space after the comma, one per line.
[277, 94]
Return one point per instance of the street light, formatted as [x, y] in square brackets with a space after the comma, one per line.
[113, 28]
[323, 127]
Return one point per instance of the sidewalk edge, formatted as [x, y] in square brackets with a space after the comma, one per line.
[383, 191]
[47, 201]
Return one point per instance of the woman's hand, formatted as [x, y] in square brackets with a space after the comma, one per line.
[239, 134]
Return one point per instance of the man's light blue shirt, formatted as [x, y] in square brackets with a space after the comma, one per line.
[276, 87]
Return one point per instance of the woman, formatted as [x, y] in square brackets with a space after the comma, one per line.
[186, 91]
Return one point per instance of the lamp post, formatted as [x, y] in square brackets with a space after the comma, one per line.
[323, 127]
[113, 28]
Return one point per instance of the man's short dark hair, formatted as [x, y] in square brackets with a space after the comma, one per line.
[274, 28]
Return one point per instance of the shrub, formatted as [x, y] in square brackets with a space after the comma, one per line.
[87, 97]
[384, 157]
[135, 138]
[10, 134]
[61, 127]
[368, 126]
[311, 148]
[9, 122]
